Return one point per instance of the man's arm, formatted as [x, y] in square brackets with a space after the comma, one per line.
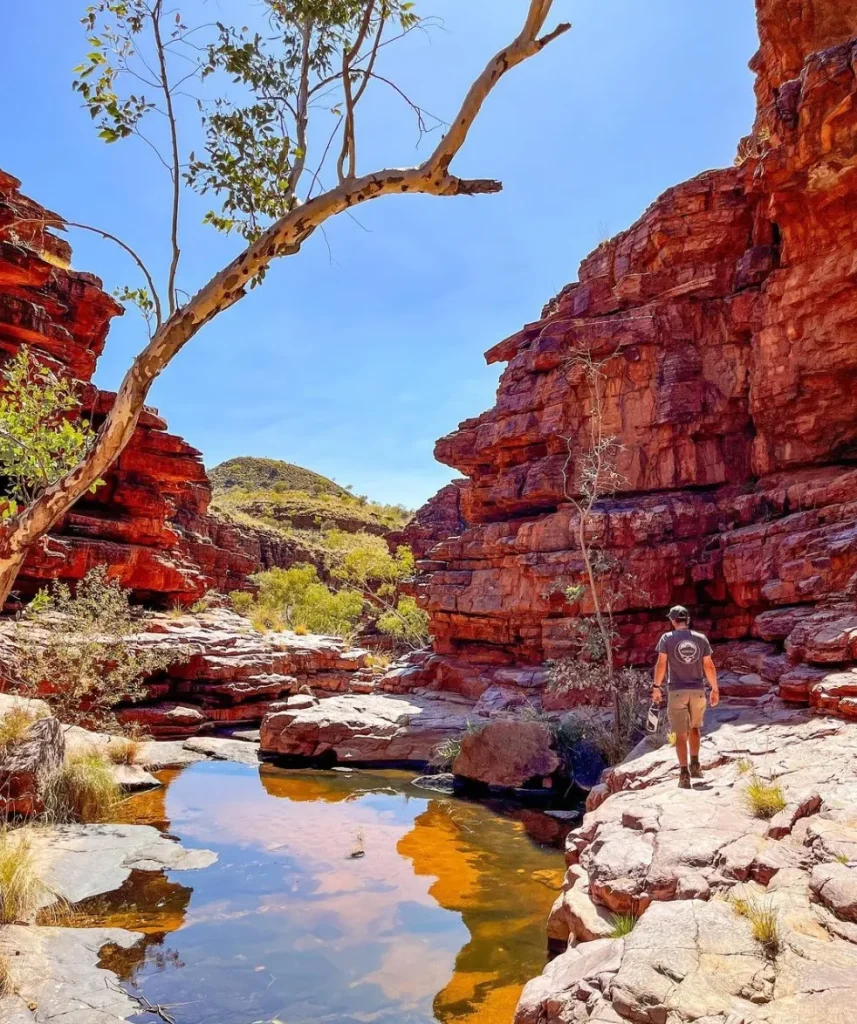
[660, 672]
[711, 676]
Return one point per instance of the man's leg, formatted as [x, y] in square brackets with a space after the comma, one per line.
[695, 735]
[678, 713]
[697, 712]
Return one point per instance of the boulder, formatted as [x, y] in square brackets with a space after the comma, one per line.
[507, 752]
[368, 729]
[27, 762]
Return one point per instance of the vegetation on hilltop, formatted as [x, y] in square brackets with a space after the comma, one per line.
[248, 473]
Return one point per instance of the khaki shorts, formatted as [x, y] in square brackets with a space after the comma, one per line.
[686, 710]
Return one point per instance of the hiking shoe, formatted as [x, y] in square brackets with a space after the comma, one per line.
[684, 779]
[695, 768]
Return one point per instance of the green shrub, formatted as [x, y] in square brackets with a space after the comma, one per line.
[294, 597]
[407, 624]
[242, 601]
[42, 435]
[84, 653]
[444, 754]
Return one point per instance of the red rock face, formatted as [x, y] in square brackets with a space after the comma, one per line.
[439, 518]
[727, 319]
[149, 521]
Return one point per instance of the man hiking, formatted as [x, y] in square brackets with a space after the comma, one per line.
[686, 656]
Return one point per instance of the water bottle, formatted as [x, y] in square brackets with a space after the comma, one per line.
[653, 719]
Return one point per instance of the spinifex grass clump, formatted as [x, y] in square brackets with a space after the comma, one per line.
[764, 922]
[764, 799]
[21, 891]
[623, 924]
[82, 789]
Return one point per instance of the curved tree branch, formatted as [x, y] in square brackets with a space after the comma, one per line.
[283, 238]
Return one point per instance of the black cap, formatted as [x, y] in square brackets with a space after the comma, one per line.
[678, 613]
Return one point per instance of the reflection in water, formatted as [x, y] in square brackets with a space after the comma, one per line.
[440, 920]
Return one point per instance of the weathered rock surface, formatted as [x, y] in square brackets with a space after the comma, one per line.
[225, 672]
[678, 858]
[365, 729]
[439, 518]
[25, 763]
[725, 320]
[78, 861]
[56, 977]
[507, 752]
[149, 520]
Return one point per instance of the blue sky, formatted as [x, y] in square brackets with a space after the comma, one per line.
[358, 353]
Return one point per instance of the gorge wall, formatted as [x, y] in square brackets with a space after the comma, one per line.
[149, 521]
[727, 320]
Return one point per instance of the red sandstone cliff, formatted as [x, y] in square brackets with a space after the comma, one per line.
[149, 521]
[728, 314]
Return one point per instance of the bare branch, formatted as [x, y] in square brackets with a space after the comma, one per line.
[525, 45]
[112, 238]
[176, 167]
[300, 114]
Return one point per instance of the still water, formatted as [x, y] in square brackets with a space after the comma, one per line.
[336, 899]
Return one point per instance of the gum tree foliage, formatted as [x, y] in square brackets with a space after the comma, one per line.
[280, 107]
[78, 651]
[372, 571]
[41, 435]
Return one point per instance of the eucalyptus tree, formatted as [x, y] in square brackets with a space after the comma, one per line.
[268, 159]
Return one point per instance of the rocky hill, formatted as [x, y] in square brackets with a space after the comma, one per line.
[298, 507]
[725, 322]
[248, 473]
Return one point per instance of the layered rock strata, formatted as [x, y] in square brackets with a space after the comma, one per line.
[723, 321]
[224, 673]
[695, 867]
[149, 520]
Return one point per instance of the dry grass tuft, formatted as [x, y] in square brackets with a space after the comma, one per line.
[623, 924]
[300, 630]
[124, 749]
[82, 789]
[743, 765]
[764, 799]
[764, 922]
[264, 620]
[15, 724]
[444, 754]
[7, 986]
[21, 891]
[379, 661]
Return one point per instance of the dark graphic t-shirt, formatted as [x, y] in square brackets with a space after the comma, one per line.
[685, 650]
